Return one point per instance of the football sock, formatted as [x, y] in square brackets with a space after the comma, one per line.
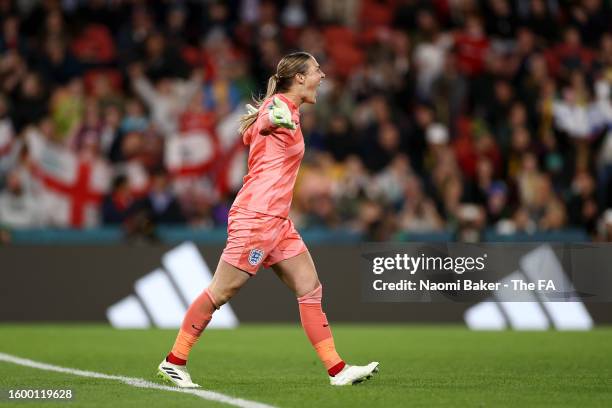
[317, 329]
[196, 319]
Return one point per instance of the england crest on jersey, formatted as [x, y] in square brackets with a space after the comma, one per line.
[255, 256]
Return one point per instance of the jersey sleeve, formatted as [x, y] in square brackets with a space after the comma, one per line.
[263, 123]
[263, 126]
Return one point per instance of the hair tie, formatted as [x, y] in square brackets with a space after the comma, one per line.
[276, 77]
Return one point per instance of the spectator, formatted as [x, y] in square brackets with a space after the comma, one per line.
[166, 99]
[501, 22]
[161, 61]
[497, 205]
[340, 141]
[18, 207]
[383, 147]
[117, 205]
[57, 64]
[30, 103]
[582, 204]
[134, 119]
[160, 206]
[11, 37]
[435, 117]
[471, 45]
[89, 133]
[449, 92]
[592, 19]
[67, 107]
[429, 54]
[541, 20]
[419, 213]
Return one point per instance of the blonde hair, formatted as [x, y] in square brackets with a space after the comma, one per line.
[288, 67]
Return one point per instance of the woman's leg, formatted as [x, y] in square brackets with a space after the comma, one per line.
[226, 282]
[300, 275]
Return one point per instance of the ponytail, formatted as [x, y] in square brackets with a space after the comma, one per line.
[288, 67]
[248, 119]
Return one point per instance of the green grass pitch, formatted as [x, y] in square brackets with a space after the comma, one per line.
[421, 366]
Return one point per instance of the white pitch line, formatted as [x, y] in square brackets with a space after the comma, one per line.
[135, 382]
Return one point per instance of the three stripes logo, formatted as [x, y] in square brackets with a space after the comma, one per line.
[500, 312]
[172, 372]
[162, 297]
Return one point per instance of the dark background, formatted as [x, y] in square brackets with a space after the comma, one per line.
[78, 283]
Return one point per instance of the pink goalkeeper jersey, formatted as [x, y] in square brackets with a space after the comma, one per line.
[274, 161]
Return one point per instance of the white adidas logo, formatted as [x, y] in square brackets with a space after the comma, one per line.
[161, 297]
[535, 314]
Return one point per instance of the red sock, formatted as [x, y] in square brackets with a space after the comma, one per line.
[171, 358]
[336, 369]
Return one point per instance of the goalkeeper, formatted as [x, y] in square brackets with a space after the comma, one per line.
[259, 230]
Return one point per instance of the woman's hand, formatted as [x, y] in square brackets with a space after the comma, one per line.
[280, 114]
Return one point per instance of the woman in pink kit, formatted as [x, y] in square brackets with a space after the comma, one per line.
[259, 230]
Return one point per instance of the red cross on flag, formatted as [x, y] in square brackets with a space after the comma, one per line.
[71, 188]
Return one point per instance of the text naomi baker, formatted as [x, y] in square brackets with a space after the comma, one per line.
[426, 284]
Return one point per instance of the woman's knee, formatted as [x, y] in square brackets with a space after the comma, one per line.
[219, 295]
[222, 292]
[226, 282]
[307, 286]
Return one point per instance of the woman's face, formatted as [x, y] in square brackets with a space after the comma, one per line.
[312, 80]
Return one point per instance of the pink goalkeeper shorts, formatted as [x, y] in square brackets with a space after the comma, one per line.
[255, 239]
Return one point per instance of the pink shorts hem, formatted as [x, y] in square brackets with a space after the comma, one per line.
[237, 265]
[255, 239]
[287, 255]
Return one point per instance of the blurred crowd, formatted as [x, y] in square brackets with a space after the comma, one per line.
[435, 116]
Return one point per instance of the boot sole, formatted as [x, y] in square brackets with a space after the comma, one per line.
[367, 377]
